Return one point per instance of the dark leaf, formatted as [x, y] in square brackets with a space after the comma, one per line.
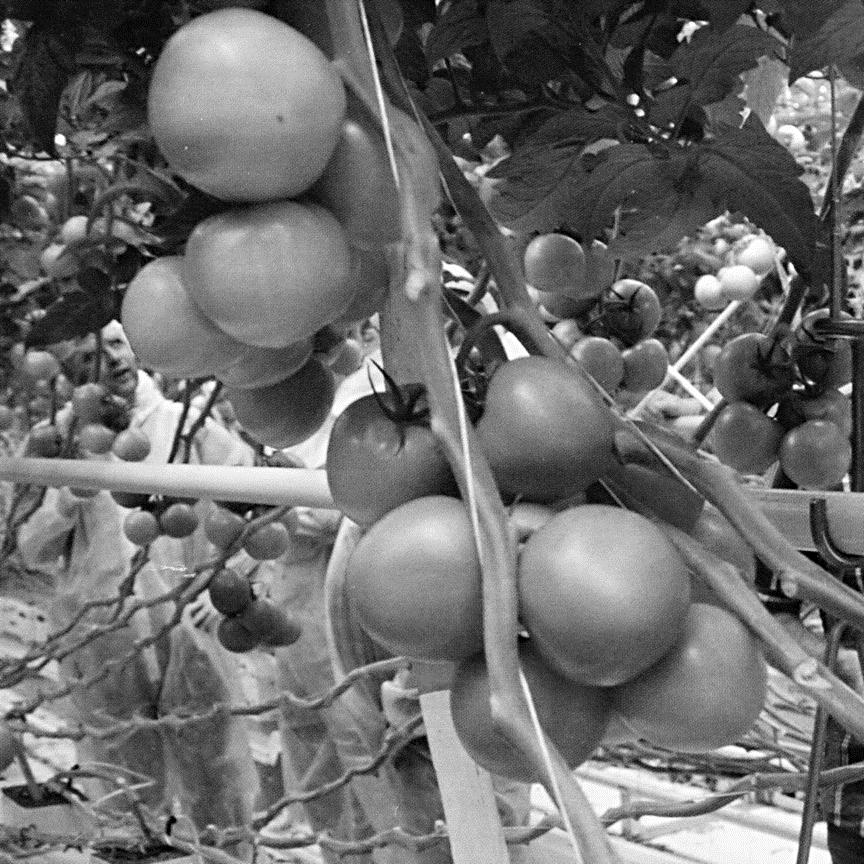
[73, 315]
[535, 186]
[840, 38]
[711, 63]
[459, 27]
[46, 63]
[746, 170]
[93, 281]
[724, 13]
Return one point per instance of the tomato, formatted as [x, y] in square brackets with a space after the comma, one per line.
[131, 445]
[9, 746]
[706, 692]
[45, 441]
[261, 367]
[708, 293]
[288, 412]
[663, 494]
[178, 520]
[357, 185]
[832, 405]
[758, 255]
[561, 305]
[816, 454]
[556, 263]
[267, 541]
[376, 461]
[601, 359]
[270, 274]
[370, 281]
[645, 365]
[141, 527]
[753, 368]
[414, 581]
[167, 331]
[567, 332]
[222, 527]
[746, 439]
[631, 310]
[233, 636]
[230, 593]
[348, 359]
[718, 535]
[573, 716]
[738, 282]
[525, 518]
[269, 623]
[40, 366]
[244, 107]
[602, 592]
[96, 438]
[544, 431]
[88, 401]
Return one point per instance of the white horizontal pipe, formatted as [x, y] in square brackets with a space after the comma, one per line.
[292, 486]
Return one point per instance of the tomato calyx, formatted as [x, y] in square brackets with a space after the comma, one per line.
[403, 405]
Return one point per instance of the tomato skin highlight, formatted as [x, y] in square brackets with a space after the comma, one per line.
[573, 716]
[602, 592]
[270, 274]
[238, 128]
[414, 581]
[544, 431]
[375, 464]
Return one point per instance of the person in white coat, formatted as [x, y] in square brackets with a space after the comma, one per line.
[203, 771]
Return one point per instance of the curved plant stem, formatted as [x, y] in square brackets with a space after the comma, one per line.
[719, 485]
[782, 650]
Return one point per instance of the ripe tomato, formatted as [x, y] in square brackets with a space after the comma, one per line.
[556, 263]
[601, 359]
[88, 401]
[40, 366]
[816, 454]
[370, 281]
[544, 431]
[758, 255]
[244, 107]
[602, 592]
[233, 636]
[230, 593]
[631, 310]
[270, 274]
[178, 520]
[269, 623]
[414, 581]
[357, 185]
[706, 692]
[131, 445]
[268, 541]
[141, 527]
[96, 438]
[708, 293]
[753, 368]
[573, 716]
[738, 282]
[717, 535]
[222, 527]
[645, 365]
[167, 330]
[831, 405]
[45, 441]
[260, 367]
[288, 412]
[376, 461]
[746, 439]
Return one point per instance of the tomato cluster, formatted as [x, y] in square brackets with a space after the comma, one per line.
[249, 111]
[786, 405]
[606, 323]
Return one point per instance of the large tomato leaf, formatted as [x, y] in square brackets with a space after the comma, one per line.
[710, 65]
[74, 314]
[839, 38]
[461, 25]
[536, 188]
[724, 13]
[745, 169]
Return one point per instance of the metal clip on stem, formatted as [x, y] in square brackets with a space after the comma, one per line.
[833, 556]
